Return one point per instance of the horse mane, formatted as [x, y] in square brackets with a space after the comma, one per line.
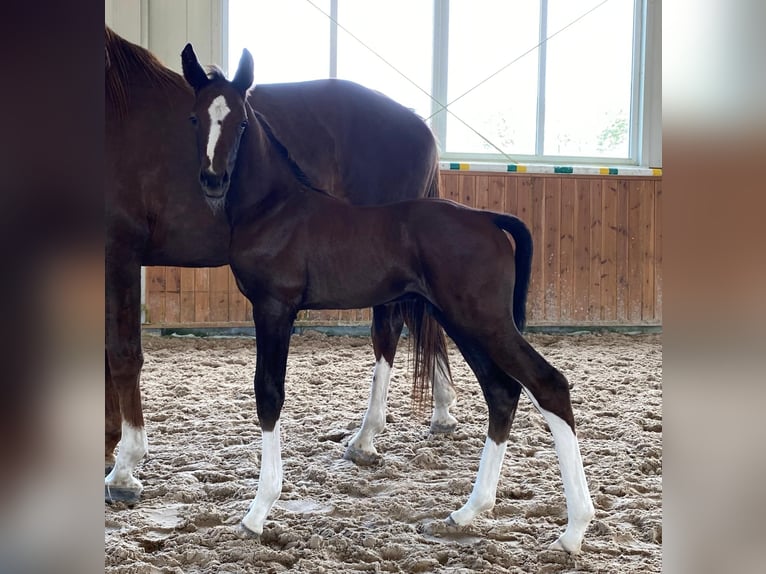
[124, 58]
[299, 174]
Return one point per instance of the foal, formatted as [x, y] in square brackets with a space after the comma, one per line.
[294, 247]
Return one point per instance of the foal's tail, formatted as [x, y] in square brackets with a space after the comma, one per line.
[523, 239]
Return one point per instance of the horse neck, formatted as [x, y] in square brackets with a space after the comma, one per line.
[263, 175]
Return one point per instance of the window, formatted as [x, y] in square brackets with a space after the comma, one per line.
[523, 80]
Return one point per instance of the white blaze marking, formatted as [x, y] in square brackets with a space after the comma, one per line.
[580, 509]
[375, 418]
[218, 111]
[269, 481]
[485, 488]
[133, 447]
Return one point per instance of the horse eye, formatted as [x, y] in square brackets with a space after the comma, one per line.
[243, 125]
[193, 119]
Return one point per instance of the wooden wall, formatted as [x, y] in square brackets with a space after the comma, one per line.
[597, 261]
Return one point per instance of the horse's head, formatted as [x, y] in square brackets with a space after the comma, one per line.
[220, 118]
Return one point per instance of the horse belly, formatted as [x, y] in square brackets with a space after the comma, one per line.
[354, 286]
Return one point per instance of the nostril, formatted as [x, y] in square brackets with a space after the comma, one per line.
[209, 179]
[225, 177]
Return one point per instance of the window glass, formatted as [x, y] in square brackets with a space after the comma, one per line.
[400, 32]
[588, 79]
[289, 39]
[483, 38]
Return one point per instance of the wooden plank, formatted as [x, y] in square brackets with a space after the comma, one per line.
[187, 283]
[496, 193]
[646, 218]
[582, 262]
[530, 194]
[449, 189]
[635, 253]
[511, 195]
[202, 295]
[566, 250]
[466, 185]
[658, 251]
[609, 252]
[172, 295]
[482, 191]
[621, 257]
[596, 246]
[551, 240]
[155, 307]
[237, 301]
[219, 293]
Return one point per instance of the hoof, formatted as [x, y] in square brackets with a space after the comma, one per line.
[121, 494]
[245, 533]
[449, 521]
[361, 457]
[443, 427]
[562, 546]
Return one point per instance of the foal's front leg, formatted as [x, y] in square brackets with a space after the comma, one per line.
[273, 327]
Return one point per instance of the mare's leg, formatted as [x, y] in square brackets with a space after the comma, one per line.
[548, 390]
[272, 337]
[124, 357]
[501, 393]
[443, 391]
[387, 323]
[112, 419]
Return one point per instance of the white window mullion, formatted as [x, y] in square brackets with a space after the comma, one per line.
[333, 38]
[541, 67]
[440, 71]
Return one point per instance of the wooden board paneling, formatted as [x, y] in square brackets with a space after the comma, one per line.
[597, 256]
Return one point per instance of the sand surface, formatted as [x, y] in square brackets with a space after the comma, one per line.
[204, 441]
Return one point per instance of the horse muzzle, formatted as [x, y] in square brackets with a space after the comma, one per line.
[214, 185]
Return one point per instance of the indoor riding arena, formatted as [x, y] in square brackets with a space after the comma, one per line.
[519, 129]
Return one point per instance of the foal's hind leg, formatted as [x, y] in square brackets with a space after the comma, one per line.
[501, 393]
[548, 390]
[387, 326]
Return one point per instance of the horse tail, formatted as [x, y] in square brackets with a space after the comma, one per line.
[433, 187]
[523, 240]
[427, 344]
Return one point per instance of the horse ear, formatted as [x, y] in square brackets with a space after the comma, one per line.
[193, 72]
[243, 79]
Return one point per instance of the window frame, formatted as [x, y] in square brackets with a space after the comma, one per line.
[645, 126]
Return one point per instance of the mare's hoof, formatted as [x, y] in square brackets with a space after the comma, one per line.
[245, 533]
[362, 458]
[449, 521]
[121, 494]
[562, 546]
[443, 427]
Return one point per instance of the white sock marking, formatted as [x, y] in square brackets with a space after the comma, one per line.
[485, 488]
[580, 509]
[444, 398]
[133, 447]
[269, 481]
[218, 111]
[375, 418]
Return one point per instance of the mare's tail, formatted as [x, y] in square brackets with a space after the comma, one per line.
[427, 340]
[523, 240]
[429, 347]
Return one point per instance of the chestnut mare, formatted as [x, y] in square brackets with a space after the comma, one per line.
[295, 247]
[356, 142]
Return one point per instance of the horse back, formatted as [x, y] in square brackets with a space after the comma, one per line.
[327, 126]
